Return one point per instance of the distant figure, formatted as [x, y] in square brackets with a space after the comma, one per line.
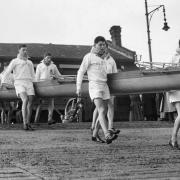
[47, 70]
[23, 73]
[18, 112]
[6, 107]
[136, 113]
[174, 98]
[167, 109]
[149, 106]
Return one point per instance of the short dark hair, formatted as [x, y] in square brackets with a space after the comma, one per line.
[98, 39]
[22, 46]
[47, 54]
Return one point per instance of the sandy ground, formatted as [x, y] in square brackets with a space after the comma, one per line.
[67, 152]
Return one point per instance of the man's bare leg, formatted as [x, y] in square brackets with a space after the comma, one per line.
[37, 115]
[3, 116]
[9, 114]
[50, 112]
[50, 109]
[24, 99]
[101, 108]
[176, 125]
[110, 113]
[94, 120]
[29, 108]
[110, 116]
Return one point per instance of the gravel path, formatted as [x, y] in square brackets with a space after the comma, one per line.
[67, 152]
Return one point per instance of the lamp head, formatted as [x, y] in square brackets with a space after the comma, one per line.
[166, 27]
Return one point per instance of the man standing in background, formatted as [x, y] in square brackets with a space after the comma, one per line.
[47, 70]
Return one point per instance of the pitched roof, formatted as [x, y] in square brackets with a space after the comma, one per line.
[61, 51]
[122, 50]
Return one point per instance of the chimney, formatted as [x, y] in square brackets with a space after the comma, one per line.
[115, 32]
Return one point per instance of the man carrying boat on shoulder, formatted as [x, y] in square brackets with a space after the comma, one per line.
[110, 68]
[95, 66]
[23, 73]
[47, 70]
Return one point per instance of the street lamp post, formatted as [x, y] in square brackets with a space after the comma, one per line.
[165, 28]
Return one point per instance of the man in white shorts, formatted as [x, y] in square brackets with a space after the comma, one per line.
[47, 70]
[23, 73]
[110, 68]
[174, 98]
[95, 66]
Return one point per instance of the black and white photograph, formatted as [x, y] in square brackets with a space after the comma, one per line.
[89, 90]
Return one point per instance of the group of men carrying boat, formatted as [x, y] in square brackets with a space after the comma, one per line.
[24, 76]
[97, 63]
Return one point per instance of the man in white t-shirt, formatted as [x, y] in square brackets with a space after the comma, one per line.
[47, 70]
[23, 73]
[95, 66]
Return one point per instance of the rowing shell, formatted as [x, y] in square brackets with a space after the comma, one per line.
[65, 87]
[147, 81]
[129, 82]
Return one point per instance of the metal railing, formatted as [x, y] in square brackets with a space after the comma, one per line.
[158, 66]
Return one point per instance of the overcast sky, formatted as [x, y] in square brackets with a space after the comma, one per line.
[79, 21]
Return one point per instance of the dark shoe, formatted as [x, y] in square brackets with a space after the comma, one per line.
[174, 146]
[51, 122]
[97, 139]
[114, 131]
[110, 138]
[30, 127]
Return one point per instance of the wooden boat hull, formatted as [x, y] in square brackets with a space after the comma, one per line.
[136, 82]
[55, 88]
[130, 82]
[49, 89]
[9, 94]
